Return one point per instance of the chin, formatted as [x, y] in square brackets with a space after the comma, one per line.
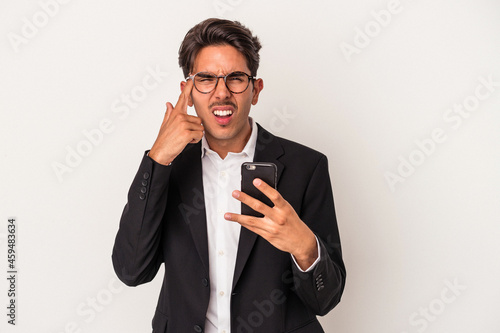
[218, 135]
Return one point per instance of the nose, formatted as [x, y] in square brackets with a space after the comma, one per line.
[221, 91]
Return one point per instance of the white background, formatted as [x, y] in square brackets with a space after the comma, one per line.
[404, 245]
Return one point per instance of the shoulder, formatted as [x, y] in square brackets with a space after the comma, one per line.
[298, 149]
[291, 149]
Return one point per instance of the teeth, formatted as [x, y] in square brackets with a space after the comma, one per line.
[222, 113]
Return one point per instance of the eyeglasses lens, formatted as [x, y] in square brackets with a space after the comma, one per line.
[235, 82]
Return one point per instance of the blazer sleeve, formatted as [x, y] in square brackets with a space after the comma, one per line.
[136, 252]
[321, 288]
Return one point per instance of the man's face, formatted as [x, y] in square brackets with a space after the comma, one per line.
[224, 114]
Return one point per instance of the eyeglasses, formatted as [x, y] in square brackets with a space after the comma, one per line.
[206, 82]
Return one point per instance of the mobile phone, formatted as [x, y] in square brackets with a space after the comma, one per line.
[251, 170]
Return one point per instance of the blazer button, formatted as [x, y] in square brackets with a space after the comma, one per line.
[205, 282]
[198, 329]
[145, 175]
[144, 182]
[144, 190]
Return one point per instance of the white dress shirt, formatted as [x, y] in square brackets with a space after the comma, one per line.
[220, 178]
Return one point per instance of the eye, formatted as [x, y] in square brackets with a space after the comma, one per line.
[205, 78]
[236, 77]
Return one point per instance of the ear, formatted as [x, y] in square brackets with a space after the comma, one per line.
[190, 101]
[258, 85]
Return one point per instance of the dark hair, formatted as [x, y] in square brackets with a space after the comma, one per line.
[219, 32]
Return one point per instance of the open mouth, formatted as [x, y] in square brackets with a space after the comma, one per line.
[223, 113]
[223, 117]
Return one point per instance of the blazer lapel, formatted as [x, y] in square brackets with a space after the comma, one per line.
[190, 180]
[268, 149]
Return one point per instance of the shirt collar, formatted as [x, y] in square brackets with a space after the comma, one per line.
[249, 148]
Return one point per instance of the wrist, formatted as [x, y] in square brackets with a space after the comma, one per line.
[307, 255]
[160, 159]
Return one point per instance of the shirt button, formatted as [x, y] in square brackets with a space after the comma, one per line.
[223, 174]
[221, 293]
[221, 253]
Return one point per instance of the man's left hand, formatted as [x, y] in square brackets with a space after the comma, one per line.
[280, 226]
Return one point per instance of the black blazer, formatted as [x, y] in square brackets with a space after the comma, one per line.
[164, 222]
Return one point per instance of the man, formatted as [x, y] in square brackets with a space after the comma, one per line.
[227, 272]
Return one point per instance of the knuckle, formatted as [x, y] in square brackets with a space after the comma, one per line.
[182, 120]
[273, 231]
[275, 196]
[258, 206]
[280, 220]
[250, 222]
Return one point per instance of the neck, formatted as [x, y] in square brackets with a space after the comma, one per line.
[235, 145]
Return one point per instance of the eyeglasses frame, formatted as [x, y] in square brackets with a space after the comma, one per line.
[250, 78]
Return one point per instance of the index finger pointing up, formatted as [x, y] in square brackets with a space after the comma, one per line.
[184, 97]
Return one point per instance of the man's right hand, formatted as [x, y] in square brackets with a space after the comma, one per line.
[177, 130]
